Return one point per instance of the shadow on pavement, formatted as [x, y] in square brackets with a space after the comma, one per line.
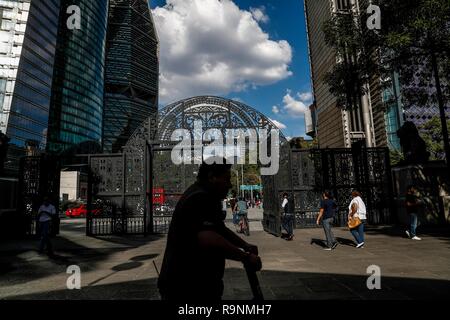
[20, 262]
[346, 242]
[275, 286]
[441, 232]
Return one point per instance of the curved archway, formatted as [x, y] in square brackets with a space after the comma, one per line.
[214, 112]
[145, 173]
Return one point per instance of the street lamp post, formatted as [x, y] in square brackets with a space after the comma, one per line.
[237, 181]
[242, 172]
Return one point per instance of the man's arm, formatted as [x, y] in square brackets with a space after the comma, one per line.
[237, 241]
[320, 216]
[212, 240]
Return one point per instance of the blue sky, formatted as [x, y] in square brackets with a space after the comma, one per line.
[281, 94]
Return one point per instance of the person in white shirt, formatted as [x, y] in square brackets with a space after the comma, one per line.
[45, 213]
[357, 208]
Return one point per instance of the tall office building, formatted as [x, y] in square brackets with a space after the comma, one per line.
[28, 37]
[335, 127]
[78, 83]
[131, 74]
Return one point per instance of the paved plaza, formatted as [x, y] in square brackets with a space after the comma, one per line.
[124, 267]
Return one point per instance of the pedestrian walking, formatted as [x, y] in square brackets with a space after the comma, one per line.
[288, 216]
[241, 209]
[327, 212]
[412, 204]
[234, 212]
[198, 241]
[46, 213]
[357, 216]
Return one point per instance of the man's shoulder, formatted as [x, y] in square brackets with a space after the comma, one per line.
[195, 194]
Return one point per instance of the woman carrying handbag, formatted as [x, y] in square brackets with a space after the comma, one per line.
[357, 218]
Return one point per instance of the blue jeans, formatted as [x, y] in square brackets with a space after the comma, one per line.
[358, 232]
[288, 223]
[45, 237]
[413, 222]
[326, 223]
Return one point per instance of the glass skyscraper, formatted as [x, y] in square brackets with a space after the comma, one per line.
[28, 38]
[78, 82]
[131, 72]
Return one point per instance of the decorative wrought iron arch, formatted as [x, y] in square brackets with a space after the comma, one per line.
[214, 112]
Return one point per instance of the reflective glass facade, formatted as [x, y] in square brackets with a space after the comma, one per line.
[27, 52]
[78, 83]
[131, 72]
[394, 113]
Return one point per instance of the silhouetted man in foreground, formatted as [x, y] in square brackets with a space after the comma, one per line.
[199, 242]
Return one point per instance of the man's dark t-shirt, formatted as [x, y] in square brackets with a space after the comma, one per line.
[413, 203]
[329, 208]
[190, 272]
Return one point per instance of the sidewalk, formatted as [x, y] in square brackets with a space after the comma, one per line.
[122, 268]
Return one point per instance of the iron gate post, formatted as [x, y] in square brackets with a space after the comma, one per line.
[89, 199]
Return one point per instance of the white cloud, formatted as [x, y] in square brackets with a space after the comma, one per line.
[259, 14]
[280, 125]
[305, 97]
[275, 109]
[296, 106]
[213, 47]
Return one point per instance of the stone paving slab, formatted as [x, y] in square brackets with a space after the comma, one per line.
[123, 268]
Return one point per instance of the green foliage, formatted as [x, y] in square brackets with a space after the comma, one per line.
[301, 143]
[411, 33]
[355, 46]
[431, 132]
[395, 156]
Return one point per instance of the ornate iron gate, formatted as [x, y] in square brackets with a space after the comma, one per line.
[121, 185]
[117, 195]
[307, 173]
[173, 180]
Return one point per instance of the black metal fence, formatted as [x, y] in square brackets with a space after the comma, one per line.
[39, 178]
[305, 174]
[117, 195]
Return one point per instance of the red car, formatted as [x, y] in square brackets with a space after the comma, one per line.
[80, 211]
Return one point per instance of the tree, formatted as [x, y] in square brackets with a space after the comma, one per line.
[414, 41]
[418, 47]
[301, 143]
[355, 47]
[432, 134]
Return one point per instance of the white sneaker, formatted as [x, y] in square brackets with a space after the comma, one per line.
[327, 249]
[416, 238]
[360, 245]
[408, 234]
